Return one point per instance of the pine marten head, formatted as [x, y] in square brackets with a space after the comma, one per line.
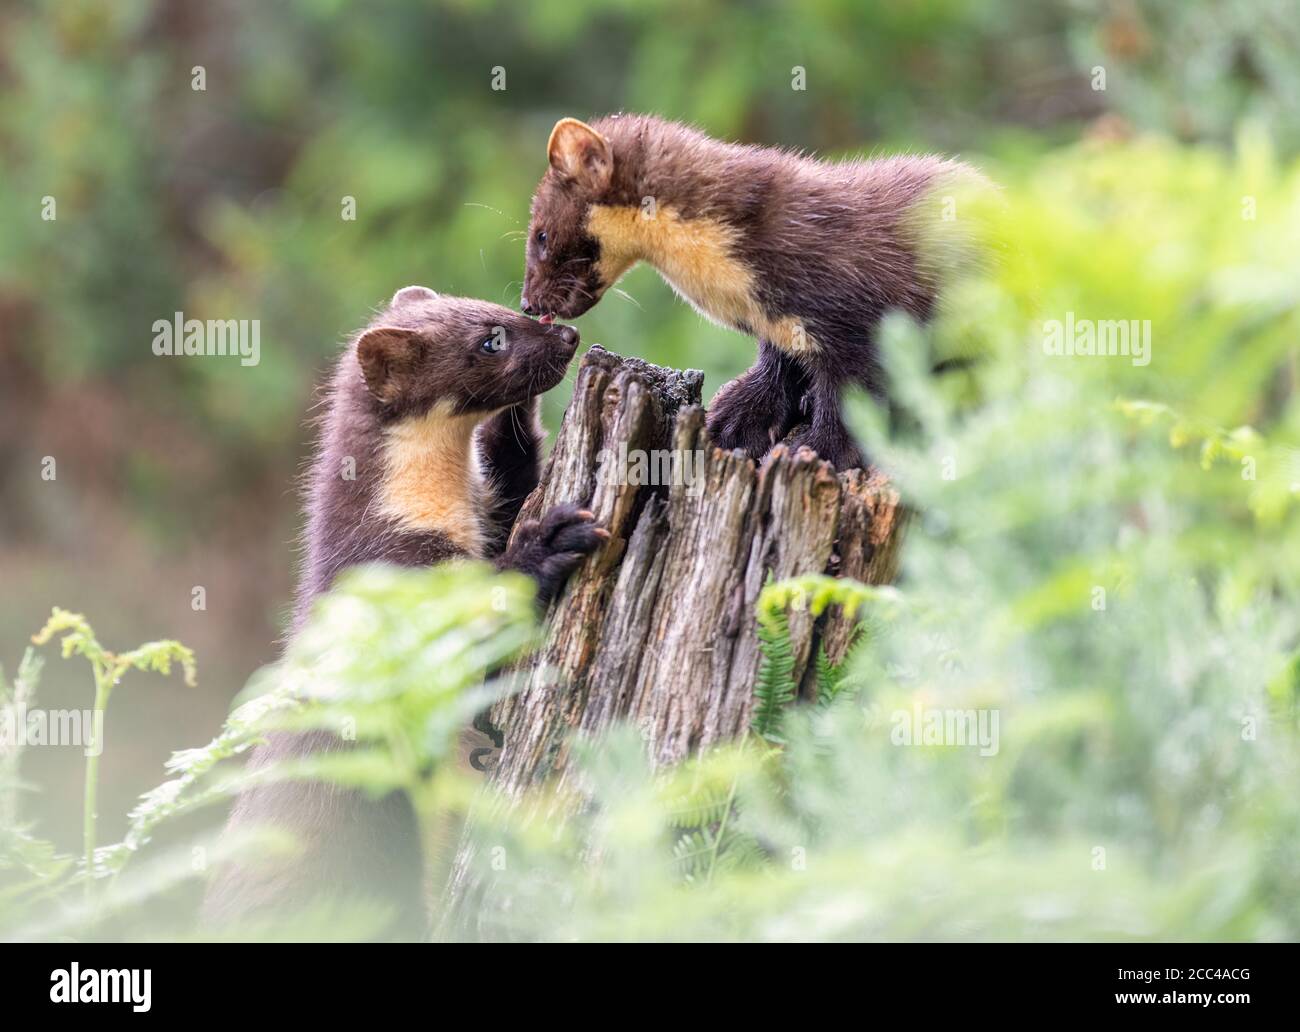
[430, 353]
[636, 188]
[399, 443]
[566, 271]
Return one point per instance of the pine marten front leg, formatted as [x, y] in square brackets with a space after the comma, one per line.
[510, 448]
[551, 548]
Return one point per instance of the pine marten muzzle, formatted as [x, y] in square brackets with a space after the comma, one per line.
[429, 443]
[805, 255]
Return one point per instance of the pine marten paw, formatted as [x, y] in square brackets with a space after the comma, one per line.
[835, 447]
[738, 426]
[550, 549]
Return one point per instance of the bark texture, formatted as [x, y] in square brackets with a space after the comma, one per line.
[658, 626]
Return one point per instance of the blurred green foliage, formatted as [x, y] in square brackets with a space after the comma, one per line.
[394, 660]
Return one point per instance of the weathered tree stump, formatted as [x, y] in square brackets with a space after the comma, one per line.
[658, 626]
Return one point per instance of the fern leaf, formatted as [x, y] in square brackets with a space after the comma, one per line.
[774, 688]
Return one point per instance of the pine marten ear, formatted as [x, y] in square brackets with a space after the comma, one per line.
[389, 357]
[413, 293]
[577, 152]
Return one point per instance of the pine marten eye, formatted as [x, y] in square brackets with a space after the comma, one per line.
[541, 243]
[493, 344]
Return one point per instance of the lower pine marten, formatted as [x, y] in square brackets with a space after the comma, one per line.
[428, 446]
[806, 255]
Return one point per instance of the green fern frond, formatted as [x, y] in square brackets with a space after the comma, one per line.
[690, 855]
[698, 813]
[816, 592]
[774, 688]
[717, 845]
[830, 678]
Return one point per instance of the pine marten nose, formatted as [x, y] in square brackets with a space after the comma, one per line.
[525, 307]
[569, 335]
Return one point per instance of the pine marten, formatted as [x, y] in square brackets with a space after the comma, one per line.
[806, 255]
[429, 443]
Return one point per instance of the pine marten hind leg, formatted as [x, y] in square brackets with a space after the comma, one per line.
[825, 432]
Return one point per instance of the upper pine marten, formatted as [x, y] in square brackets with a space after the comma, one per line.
[428, 446]
[806, 255]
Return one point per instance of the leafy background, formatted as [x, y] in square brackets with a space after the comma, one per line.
[1122, 203]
